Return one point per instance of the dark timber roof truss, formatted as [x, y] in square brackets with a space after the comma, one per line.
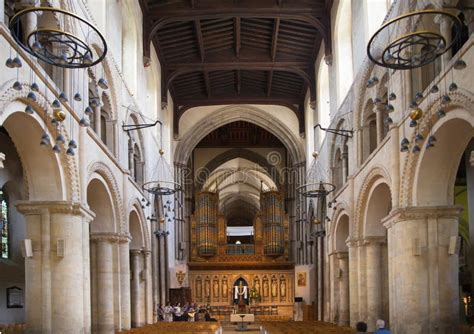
[236, 51]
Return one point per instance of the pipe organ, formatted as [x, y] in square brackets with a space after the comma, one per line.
[207, 209]
[272, 213]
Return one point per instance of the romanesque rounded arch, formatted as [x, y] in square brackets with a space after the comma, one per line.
[26, 131]
[135, 206]
[374, 177]
[413, 189]
[99, 168]
[231, 114]
[340, 210]
[99, 199]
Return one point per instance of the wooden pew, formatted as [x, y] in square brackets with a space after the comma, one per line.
[177, 328]
[307, 327]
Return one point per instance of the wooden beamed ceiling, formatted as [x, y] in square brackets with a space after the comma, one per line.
[236, 51]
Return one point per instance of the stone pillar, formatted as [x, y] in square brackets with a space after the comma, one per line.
[30, 20]
[374, 280]
[379, 125]
[445, 29]
[2, 11]
[125, 282]
[98, 127]
[343, 258]
[137, 295]
[353, 282]
[54, 278]
[148, 296]
[424, 291]
[105, 288]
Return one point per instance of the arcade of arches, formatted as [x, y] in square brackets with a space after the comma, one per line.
[239, 87]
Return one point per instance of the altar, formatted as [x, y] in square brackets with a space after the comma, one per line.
[242, 320]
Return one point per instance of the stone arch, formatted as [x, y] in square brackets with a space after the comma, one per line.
[25, 129]
[99, 168]
[136, 207]
[413, 182]
[375, 175]
[99, 199]
[378, 206]
[233, 154]
[231, 114]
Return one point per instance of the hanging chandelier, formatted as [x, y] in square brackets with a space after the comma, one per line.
[53, 44]
[410, 41]
[59, 47]
[161, 183]
[313, 188]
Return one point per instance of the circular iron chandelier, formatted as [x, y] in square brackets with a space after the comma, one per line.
[402, 50]
[161, 183]
[57, 47]
[313, 188]
[53, 43]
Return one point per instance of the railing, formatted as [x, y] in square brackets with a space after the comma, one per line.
[232, 249]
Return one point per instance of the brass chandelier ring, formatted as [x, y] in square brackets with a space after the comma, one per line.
[74, 51]
[398, 52]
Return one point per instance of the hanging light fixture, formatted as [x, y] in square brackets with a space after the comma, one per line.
[62, 49]
[405, 43]
[161, 181]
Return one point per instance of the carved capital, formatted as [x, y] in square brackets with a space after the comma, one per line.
[106, 236]
[40, 207]
[164, 105]
[374, 240]
[421, 213]
[312, 105]
[2, 159]
[471, 159]
[328, 60]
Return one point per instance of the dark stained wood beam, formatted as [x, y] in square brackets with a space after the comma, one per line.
[193, 3]
[208, 84]
[276, 28]
[197, 27]
[269, 83]
[236, 64]
[239, 81]
[237, 36]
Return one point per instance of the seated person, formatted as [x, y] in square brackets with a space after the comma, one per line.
[380, 325]
[207, 316]
[361, 327]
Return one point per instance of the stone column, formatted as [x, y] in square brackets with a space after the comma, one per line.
[379, 125]
[423, 271]
[353, 282]
[98, 128]
[445, 29]
[343, 258]
[55, 277]
[2, 11]
[105, 288]
[137, 295]
[125, 282]
[148, 296]
[374, 280]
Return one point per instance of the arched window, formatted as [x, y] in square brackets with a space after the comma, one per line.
[107, 124]
[337, 169]
[322, 116]
[4, 226]
[343, 49]
[103, 126]
[369, 130]
[137, 165]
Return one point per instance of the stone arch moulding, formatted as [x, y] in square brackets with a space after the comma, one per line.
[104, 171]
[377, 174]
[459, 108]
[135, 205]
[341, 209]
[231, 114]
[13, 101]
[238, 153]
